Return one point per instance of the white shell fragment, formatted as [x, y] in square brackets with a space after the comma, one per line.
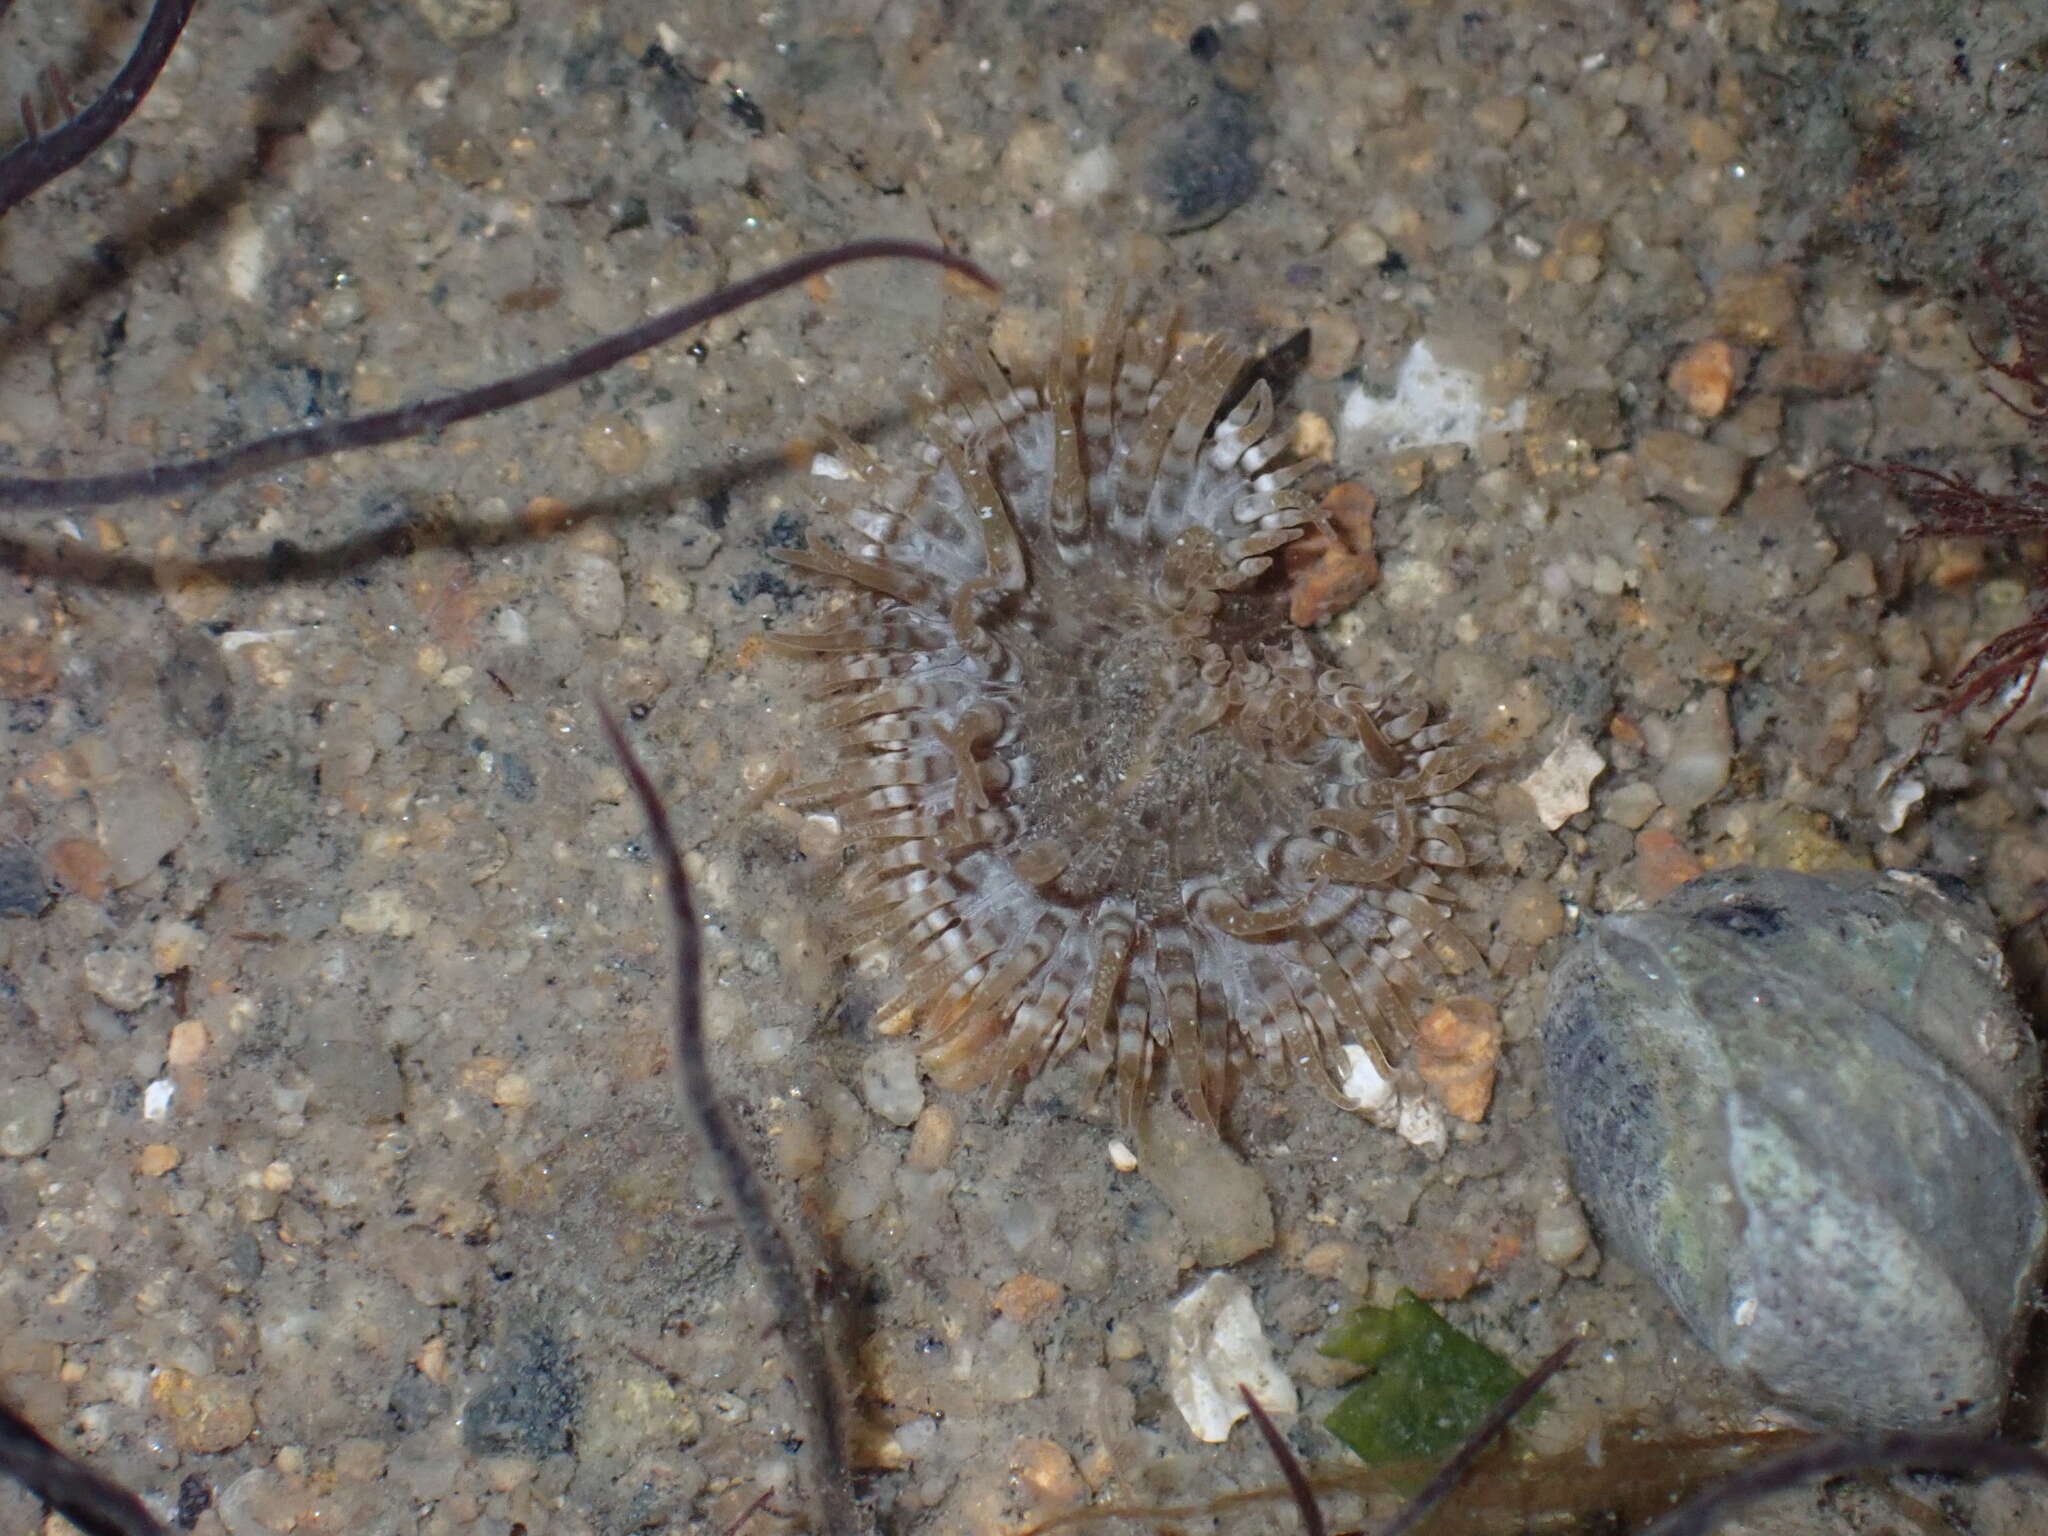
[1414, 1116]
[1432, 403]
[1562, 785]
[1364, 1086]
[156, 1099]
[1214, 1345]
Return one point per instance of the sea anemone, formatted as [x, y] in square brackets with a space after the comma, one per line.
[1096, 794]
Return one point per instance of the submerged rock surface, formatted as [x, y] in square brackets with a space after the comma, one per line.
[1803, 1104]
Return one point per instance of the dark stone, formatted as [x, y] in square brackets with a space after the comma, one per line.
[416, 1402]
[529, 1405]
[264, 789]
[743, 110]
[763, 584]
[195, 685]
[517, 777]
[25, 889]
[245, 1257]
[670, 92]
[195, 1498]
[1204, 166]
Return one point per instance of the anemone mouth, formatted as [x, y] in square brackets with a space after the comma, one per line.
[1100, 799]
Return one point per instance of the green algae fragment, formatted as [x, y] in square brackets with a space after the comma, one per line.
[1430, 1385]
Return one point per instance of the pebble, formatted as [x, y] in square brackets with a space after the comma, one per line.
[1326, 575]
[123, 979]
[1414, 1116]
[28, 1116]
[1007, 1368]
[1457, 1051]
[1753, 431]
[260, 1502]
[1758, 309]
[1517, 713]
[1631, 804]
[1817, 371]
[1662, 864]
[932, 1141]
[1562, 784]
[28, 667]
[189, 1040]
[174, 946]
[1363, 244]
[1028, 1298]
[1203, 162]
[594, 590]
[25, 889]
[1333, 343]
[1347, 1263]
[466, 21]
[615, 445]
[157, 1159]
[530, 1400]
[1531, 914]
[142, 817]
[207, 1414]
[1704, 377]
[359, 1082]
[1702, 751]
[889, 1082]
[1702, 478]
[1500, 118]
[383, 909]
[1219, 1198]
[1047, 1473]
[83, 866]
[1561, 1232]
[1215, 1345]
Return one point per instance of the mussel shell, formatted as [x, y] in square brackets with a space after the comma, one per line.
[1804, 1104]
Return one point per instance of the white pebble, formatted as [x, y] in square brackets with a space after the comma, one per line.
[889, 1082]
[1092, 174]
[1363, 1084]
[245, 257]
[1702, 748]
[156, 1099]
[1422, 1125]
[1562, 785]
[1561, 1232]
[1215, 1344]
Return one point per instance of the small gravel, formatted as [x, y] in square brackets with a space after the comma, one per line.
[28, 1117]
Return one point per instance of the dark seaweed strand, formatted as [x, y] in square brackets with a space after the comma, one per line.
[816, 1384]
[30, 166]
[1902, 1450]
[1290, 1466]
[430, 415]
[1490, 1429]
[90, 1502]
